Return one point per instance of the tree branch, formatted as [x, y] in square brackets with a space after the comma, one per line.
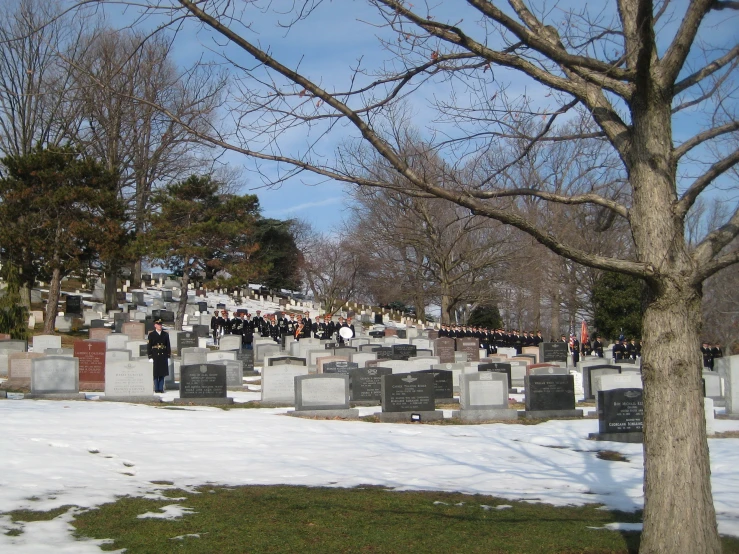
[557, 198]
[700, 184]
[709, 247]
[700, 138]
[704, 72]
[672, 62]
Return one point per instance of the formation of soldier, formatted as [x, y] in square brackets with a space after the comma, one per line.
[276, 326]
[710, 352]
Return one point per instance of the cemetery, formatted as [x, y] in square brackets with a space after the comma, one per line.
[375, 380]
[369, 276]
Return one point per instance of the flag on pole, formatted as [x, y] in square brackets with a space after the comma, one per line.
[584, 338]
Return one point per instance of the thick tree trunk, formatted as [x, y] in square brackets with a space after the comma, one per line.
[679, 514]
[136, 274]
[55, 288]
[181, 307]
[554, 321]
[446, 308]
[25, 294]
[111, 285]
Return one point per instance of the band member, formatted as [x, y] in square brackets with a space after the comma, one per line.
[215, 327]
[159, 351]
[598, 346]
[247, 331]
[574, 349]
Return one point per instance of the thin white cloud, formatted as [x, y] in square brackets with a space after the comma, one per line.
[301, 207]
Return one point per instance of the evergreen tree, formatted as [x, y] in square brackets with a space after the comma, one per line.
[617, 305]
[485, 316]
[13, 315]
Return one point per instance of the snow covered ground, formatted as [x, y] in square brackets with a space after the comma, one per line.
[55, 453]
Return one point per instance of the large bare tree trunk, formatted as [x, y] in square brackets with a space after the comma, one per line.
[111, 285]
[554, 322]
[679, 515]
[55, 289]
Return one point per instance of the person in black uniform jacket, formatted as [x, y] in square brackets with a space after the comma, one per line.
[235, 324]
[707, 356]
[159, 352]
[574, 349]
[214, 326]
[598, 346]
[247, 332]
[226, 323]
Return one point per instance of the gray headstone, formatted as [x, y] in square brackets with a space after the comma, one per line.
[321, 392]
[50, 375]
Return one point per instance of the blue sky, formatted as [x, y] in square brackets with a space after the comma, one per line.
[325, 45]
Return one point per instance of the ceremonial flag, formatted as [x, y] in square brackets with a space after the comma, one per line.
[584, 332]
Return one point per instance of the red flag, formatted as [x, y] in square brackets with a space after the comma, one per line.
[584, 332]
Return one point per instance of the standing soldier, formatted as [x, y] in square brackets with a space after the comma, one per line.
[159, 352]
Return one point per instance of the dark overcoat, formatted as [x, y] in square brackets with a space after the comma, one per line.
[159, 351]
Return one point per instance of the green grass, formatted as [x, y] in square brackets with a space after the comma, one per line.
[277, 519]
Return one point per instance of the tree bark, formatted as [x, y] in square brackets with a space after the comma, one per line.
[111, 285]
[679, 514]
[183, 300]
[52, 305]
[554, 321]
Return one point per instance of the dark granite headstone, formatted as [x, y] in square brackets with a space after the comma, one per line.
[247, 358]
[497, 367]
[203, 381]
[365, 383]
[202, 307]
[403, 351]
[186, 339]
[97, 323]
[119, 318]
[408, 392]
[553, 352]
[201, 331]
[73, 304]
[383, 353]
[550, 392]
[143, 350]
[620, 411]
[445, 350]
[339, 367]
[167, 316]
[148, 324]
[331, 345]
[443, 383]
[402, 333]
[220, 306]
[378, 319]
[377, 334]
[285, 360]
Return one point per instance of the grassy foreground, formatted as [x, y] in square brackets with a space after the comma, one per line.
[363, 519]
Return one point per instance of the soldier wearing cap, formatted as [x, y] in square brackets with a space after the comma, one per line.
[159, 352]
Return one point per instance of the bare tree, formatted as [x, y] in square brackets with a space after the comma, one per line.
[34, 91]
[331, 268]
[632, 72]
[120, 80]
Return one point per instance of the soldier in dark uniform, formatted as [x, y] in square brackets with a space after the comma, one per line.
[598, 346]
[574, 349]
[214, 326]
[707, 356]
[247, 331]
[159, 352]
